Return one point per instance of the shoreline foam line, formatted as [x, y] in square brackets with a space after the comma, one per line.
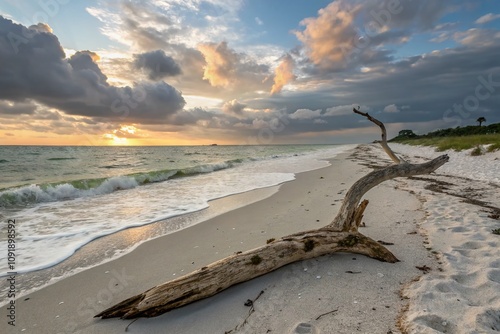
[52, 232]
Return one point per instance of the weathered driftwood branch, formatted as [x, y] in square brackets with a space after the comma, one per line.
[383, 142]
[339, 236]
[358, 215]
[222, 274]
[345, 218]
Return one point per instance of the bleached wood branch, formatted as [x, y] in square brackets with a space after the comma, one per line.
[238, 268]
[383, 142]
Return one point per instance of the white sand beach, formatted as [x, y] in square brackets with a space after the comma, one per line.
[447, 280]
[462, 207]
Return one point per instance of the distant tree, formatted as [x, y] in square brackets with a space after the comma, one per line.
[481, 120]
[407, 133]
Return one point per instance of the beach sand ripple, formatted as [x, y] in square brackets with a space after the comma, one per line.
[463, 296]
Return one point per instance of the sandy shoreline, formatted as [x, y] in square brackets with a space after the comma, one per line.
[110, 247]
[363, 294]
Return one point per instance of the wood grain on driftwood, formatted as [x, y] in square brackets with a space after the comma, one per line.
[341, 235]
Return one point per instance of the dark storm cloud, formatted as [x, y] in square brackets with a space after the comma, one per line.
[31, 64]
[157, 64]
[34, 67]
[19, 108]
[448, 88]
[190, 117]
[421, 15]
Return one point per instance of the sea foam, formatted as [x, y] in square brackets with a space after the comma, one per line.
[64, 218]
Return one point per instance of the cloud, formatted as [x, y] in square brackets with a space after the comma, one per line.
[478, 37]
[329, 37]
[127, 131]
[234, 108]
[157, 64]
[17, 108]
[344, 110]
[41, 27]
[35, 68]
[347, 33]
[102, 93]
[179, 28]
[487, 18]
[305, 114]
[220, 65]
[391, 108]
[417, 15]
[226, 68]
[259, 21]
[159, 24]
[283, 74]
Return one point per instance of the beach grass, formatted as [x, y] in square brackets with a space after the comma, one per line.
[457, 143]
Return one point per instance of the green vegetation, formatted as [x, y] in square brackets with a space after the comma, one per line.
[476, 151]
[496, 231]
[481, 120]
[455, 138]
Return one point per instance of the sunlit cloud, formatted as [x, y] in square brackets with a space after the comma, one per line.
[329, 37]
[171, 80]
[122, 135]
[226, 68]
[283, 74]
[487, 18]
[194, 101]
[391, 108]
[220, 63]
[305, 114]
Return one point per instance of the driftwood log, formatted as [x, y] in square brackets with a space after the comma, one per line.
[341, 235]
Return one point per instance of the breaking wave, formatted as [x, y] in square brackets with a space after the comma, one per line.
[61, 191]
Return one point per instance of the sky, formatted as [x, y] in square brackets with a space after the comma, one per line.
[197, 72]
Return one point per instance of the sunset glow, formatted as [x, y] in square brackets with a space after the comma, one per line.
[104, 72]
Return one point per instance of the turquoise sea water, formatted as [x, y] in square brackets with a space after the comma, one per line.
[64, 197]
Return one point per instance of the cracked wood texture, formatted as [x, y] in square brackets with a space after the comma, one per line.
[238, 268]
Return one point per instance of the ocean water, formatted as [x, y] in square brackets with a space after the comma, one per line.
[64, 197]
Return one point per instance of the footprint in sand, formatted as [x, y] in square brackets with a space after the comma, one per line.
[473, 245]
[444, 287]
[468, 279]
[435, 322]
[460, 229]
[489, 320]
[494, 276]
[495, 264]
[305, 328]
